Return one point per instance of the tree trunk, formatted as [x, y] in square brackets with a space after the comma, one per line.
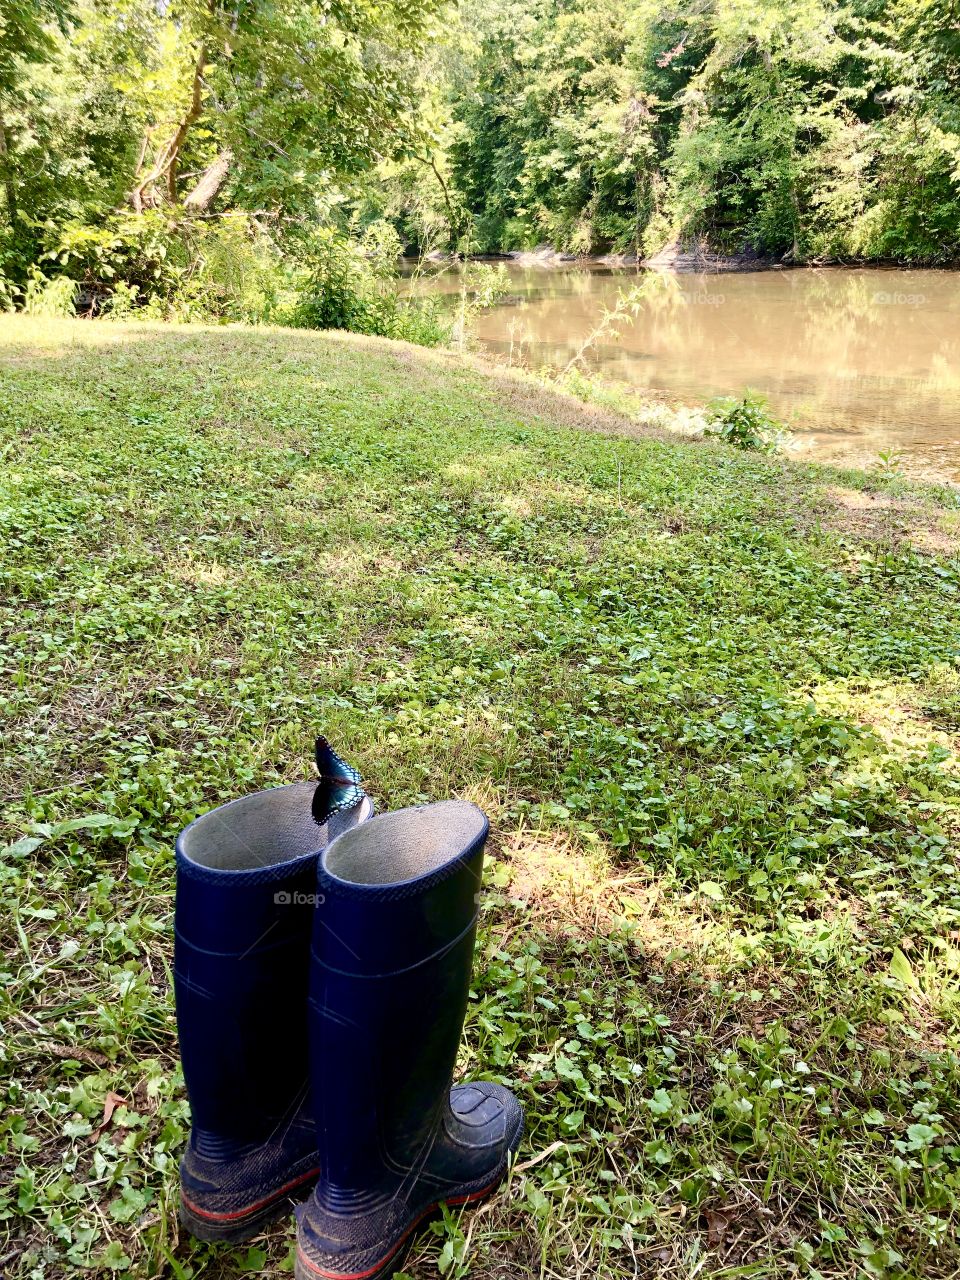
[167, 161]
[211, 180]
[190, 119]
[452, 221]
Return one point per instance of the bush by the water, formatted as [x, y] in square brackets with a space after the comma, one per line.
[353, 285]
[154, 267]
[746, 423]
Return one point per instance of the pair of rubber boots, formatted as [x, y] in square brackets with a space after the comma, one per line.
[322, 969]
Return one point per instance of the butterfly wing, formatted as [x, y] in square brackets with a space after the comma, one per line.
[338, 787]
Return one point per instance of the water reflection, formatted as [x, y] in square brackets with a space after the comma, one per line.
[859, 361]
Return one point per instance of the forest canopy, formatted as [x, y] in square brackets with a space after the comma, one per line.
[796, 128]
[210, 156]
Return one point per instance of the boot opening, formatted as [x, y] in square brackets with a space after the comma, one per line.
[264, 829]
[405, 844]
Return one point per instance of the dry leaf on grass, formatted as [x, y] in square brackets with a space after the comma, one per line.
[110, 1104]
[718, 1221]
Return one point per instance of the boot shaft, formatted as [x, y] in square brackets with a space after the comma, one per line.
[246, 889]
[392, 954]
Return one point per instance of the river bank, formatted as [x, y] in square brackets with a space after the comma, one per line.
[861, 364]
[666, 260]
[695, 260]
[709, 701]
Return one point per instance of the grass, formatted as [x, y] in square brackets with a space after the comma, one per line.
[710, 701]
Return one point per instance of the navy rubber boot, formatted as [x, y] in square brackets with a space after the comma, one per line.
[390, 976]
[246, 891]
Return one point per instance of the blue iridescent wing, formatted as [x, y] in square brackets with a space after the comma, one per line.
[338, 787]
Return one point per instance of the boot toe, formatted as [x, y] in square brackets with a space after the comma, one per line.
[485, 1114]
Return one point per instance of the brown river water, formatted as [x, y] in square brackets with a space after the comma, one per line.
[860, 363]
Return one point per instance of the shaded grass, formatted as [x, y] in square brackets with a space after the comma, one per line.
[691, 693]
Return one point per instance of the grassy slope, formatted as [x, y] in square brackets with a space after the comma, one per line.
[710, 703]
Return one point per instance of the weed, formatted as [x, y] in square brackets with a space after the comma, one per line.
[746, 423]
[53, 297]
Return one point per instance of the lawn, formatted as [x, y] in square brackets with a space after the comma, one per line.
[709, 700]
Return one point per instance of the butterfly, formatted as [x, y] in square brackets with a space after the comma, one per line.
[339, 785]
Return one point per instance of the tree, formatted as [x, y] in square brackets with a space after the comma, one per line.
[25, 39]
[187, 110]
[267, 100]
[798, 128]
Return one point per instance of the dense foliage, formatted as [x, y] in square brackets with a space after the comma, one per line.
[198, 157]
[797, 128]
[189, 150]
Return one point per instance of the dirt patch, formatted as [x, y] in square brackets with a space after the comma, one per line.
[937, 541]
[567, 891]
[881, 518]
[525, 394]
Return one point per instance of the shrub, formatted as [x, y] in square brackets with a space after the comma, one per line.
[10, 293]
[177, 269]
[123, 302]
[353, 285]
[234, 274]
[154, 266]
[746, 423]
[140, 249]
[44, 297]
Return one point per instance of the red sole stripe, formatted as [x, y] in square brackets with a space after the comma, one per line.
[250, 1208]
[364, 1275]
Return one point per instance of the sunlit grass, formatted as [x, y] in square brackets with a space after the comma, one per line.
[711, 711]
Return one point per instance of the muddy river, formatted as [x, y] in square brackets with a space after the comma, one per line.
[860, 363]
